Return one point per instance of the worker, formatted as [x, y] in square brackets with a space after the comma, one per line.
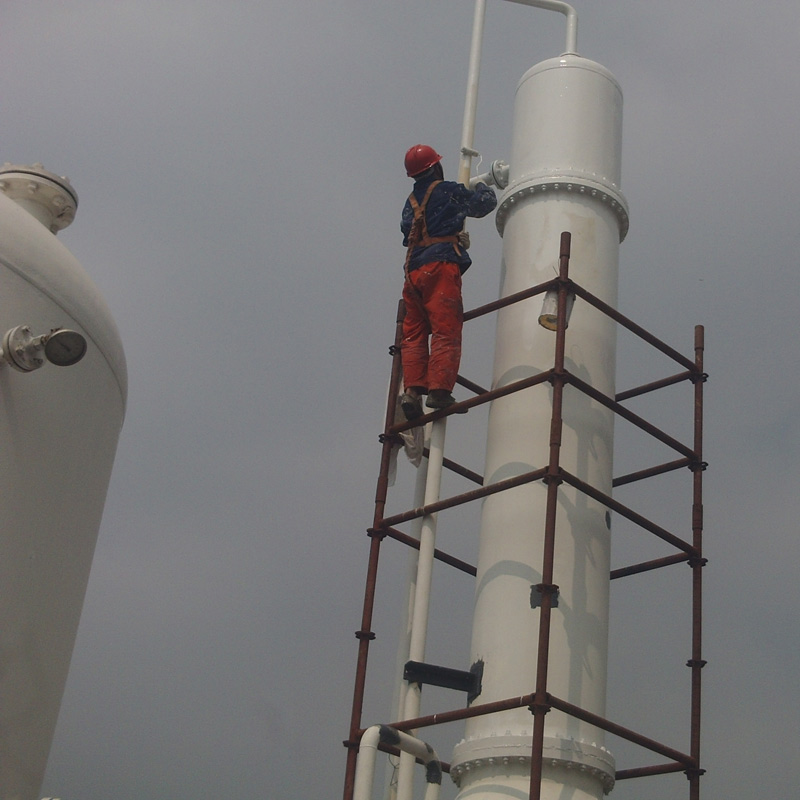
[432, 226]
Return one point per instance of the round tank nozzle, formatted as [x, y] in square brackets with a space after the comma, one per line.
[47, 196]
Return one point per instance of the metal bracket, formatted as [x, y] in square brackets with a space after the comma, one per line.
[447, 678]
[538, 590]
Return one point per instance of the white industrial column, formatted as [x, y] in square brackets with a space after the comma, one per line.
[564, 176]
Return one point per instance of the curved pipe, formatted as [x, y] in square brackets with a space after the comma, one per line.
[471, 103]
[563, 8]
[368, 751]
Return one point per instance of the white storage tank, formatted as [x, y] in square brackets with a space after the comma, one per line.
[62, 403]
[564, 176]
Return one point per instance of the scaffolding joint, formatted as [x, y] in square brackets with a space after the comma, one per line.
[394, 350]
[694, 772]
[699, 377]
[698, 466]
[697, 561]
[365, 635]
[553, 477]
[539, 590]
[696, 662]
[390, 438]
[537, 707]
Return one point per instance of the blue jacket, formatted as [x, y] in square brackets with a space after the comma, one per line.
[449, 205]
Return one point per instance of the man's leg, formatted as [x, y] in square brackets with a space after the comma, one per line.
[446, 318]
[414, 349]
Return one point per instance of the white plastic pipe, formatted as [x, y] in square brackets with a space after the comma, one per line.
[473, 71]
[471, 103]
[404, 643]
[422, 594]
[563, 8]
[409, 745]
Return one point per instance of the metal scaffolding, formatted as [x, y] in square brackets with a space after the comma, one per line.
[539, 700]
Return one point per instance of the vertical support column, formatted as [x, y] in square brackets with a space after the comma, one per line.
[365, 634]
[697, 563]
[547, 589]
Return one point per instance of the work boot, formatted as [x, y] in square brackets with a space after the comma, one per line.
[411, 403]
[439, 398]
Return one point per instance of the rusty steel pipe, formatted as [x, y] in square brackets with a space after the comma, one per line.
[440, 555]
[653, 386]
[464, 406]
[626, 512]
[475, 494]
[646, 772]
[697, 663]
[365, 634]
[540, 706]
[647, 566]
[622, 732]
[496, 305]
[638, 330]
[651, 472]
[635, 419]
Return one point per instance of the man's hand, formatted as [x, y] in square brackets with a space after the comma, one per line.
[463, 240]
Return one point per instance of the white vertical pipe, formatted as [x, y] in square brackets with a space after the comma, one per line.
[419, 620]
[404, 643]
[471, 102]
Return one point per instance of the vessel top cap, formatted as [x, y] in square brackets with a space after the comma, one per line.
[34, 184]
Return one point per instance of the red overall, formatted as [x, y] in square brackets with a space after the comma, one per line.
[432, 295]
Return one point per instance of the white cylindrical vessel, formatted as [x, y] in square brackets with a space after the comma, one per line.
[59, 427]
[564, 176]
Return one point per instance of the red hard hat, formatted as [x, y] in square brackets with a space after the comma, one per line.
[419, 158]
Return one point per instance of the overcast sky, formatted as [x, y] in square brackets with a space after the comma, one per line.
[239, 169]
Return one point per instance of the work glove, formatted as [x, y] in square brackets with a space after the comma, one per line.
[463, 240]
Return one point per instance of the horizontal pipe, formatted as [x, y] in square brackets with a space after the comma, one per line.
[654, 386]
[465, 713]
[496, 305]
[465, 405]
[634, 328]
[574, 711]
[634, 419]
[454, 466]
[468, 384]
[439, 555]
[647, 566]
[628, 513]
[618, 730]
[646, 772]
[650, 472]
[475, 494]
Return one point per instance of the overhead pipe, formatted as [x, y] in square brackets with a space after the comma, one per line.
[563, 8]
[473, 74]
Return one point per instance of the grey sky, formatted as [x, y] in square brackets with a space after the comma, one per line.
[239, 168]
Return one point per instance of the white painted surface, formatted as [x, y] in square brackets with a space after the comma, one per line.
[58, 436]
[564, 176]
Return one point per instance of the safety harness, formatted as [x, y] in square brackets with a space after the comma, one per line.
[418, 235]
